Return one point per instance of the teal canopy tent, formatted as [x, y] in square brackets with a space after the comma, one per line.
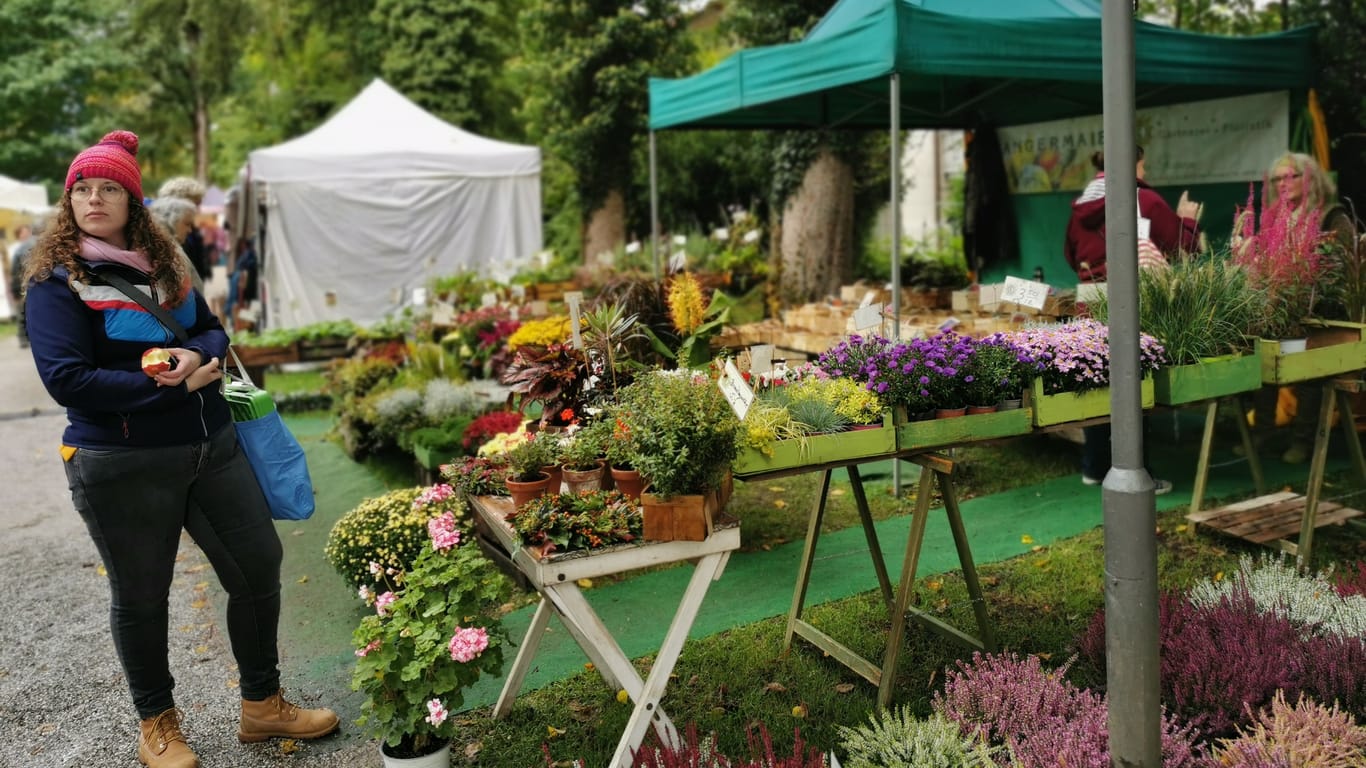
[965, 64]
[878, 64]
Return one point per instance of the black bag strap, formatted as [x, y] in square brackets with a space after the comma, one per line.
[145, 301]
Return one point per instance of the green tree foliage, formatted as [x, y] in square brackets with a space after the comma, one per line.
[590, 62]
[50, 54]
[448, 56]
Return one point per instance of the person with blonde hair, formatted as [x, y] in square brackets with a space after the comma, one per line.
[152, 452]
[176, 216]
[192, 242]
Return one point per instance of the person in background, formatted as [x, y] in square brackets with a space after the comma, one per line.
[176, 217]
[1170, 234]
[244, 286]
[148, 454]
[1297, 186]
[193, 243]
[18, 257]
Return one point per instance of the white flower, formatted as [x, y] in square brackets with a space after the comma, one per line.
[680, 239]
[751, 236]
[720, 233]
[738, 214]
[633, 246]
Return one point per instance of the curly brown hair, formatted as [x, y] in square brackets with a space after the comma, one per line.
[60, 245]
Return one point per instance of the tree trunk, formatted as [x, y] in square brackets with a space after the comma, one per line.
[606, 227]
[201, 139]
[818, 232]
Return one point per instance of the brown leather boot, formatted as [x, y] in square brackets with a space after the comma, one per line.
[277, 718]
[162, 745]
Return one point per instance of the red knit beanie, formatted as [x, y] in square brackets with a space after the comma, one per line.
[115, 157]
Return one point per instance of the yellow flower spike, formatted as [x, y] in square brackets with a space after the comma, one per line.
[1026, 539]
[686, 307]
[622, 696]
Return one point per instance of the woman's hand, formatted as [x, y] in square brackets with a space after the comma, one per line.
[1187, 208]
[205, 375]
[186, 362]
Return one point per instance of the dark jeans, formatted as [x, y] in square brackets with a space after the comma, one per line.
[135, 501]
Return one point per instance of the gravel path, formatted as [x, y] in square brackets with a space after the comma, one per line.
[63, 700]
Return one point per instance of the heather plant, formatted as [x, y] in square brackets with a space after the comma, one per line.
[397, 412]
[443, 399]
[1352, 580]
[1308, 600]
[1306, 735]
[696, 752]
[896, 737]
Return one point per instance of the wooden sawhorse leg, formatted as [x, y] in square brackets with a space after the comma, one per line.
[1335, 401]
[1254, 462]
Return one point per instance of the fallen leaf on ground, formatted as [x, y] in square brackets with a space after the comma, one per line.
[200, 603]
[844, 687]
[553, 732]
[1026, 539]
[1181, 528]
[776, 489]
[780, 504]
[836, 491]
[585, 583]
[623, 696]
[934, 585]
[472, 749]
[303, 579]
[101, 571]
[288, 746]
[775, 688]
[799, 710]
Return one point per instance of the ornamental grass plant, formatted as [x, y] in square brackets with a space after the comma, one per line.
[1197, 309]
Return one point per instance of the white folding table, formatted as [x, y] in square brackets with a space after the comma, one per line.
[556, 579]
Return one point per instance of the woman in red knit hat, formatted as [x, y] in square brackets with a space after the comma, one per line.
[151, 453]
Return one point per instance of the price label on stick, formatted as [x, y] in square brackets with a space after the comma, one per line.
[867, 316]
[573, 299]
[760, 358]
[1029, 293]
[736, 390]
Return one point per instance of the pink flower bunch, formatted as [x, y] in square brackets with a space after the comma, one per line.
[436, 712]
[384, 602]
[373, 645]
[467, 643]
[1284, 259]
[433, 495]
[1075, 357]
[443, 532]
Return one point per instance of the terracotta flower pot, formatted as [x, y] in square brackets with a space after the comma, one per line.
[949, 413]
[974, 410]
[522, 492]
[628, 481]
[580, 480]
[556, 477]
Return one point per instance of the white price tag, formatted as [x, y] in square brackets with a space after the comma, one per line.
[760, 358]
[573, 299]
[519, 293]
[1025, 292]
[949, 324]
[443, 313]
[419, 297]
[488, 299]
[867, 299]
[736, 390]
[1145, 228]
[867, 316]
[678, 262]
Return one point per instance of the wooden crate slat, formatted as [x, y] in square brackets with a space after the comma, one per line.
[1253, 503]
[1267, 519]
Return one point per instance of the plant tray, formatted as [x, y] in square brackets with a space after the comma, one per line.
[915, 435]
[1078, 406]
[252, 357]
[324, 349]
[819, 449]
[1216, 377]
[1335, 348]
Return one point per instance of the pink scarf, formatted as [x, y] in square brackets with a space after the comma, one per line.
[96, 250]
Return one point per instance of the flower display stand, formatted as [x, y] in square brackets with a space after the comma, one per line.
[1270, 519]
[1078, 406]
[819, 449]
[556, 578]
[1208, 379]
[1334, 348]
[935, 469]
[934, 433]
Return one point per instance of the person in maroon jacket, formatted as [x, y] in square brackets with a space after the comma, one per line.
[1169, 235]
[1173, 232]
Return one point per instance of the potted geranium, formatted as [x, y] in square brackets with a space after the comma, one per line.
[433, 633]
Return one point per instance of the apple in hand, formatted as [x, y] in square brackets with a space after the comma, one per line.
[157, 360]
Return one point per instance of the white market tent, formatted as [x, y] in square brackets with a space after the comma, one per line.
[380, 199]
[18, 196]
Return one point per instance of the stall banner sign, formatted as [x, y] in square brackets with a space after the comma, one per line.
[1203, 142]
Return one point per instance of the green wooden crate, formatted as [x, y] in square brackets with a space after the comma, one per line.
[1208, 379]
[1077, 406]
[932, 433]
[433, 456]
[819, 449]
[1335, 348]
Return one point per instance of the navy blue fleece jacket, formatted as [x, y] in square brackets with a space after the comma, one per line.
[87, 341]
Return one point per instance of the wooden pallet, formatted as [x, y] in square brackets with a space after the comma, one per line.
[1265, 519]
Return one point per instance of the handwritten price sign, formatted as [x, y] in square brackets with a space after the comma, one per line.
[1025, 292]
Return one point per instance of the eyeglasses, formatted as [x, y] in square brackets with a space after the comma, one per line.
[1278, 178]
[110, 192]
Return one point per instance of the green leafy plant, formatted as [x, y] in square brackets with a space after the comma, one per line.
[684, 429]
[561, 522]
[1197, 309]
[527, 457]
[586, 445]
[387, 532]
[477, 476]
[851, 400]
[766, 422]
[896, 737]
[433, 634]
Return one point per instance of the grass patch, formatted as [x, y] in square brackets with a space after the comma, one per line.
[8, 329]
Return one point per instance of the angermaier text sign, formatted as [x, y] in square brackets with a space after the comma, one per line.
[1204, 142]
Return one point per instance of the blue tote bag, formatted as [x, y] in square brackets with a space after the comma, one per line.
[274, 453]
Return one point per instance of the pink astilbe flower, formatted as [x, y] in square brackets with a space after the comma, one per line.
[443, 531]
[467, 643]
[371, 646]
[383, 603]
[436, 712]
[1282, 257]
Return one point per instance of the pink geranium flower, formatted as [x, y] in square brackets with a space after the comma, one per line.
[436, 712]
[443, 532]
[383, 602]
[372, 645]
[467, 643]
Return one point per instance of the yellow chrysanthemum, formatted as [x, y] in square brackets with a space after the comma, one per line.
[686, 306]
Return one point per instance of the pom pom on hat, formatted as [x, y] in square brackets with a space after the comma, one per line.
[115, 157]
